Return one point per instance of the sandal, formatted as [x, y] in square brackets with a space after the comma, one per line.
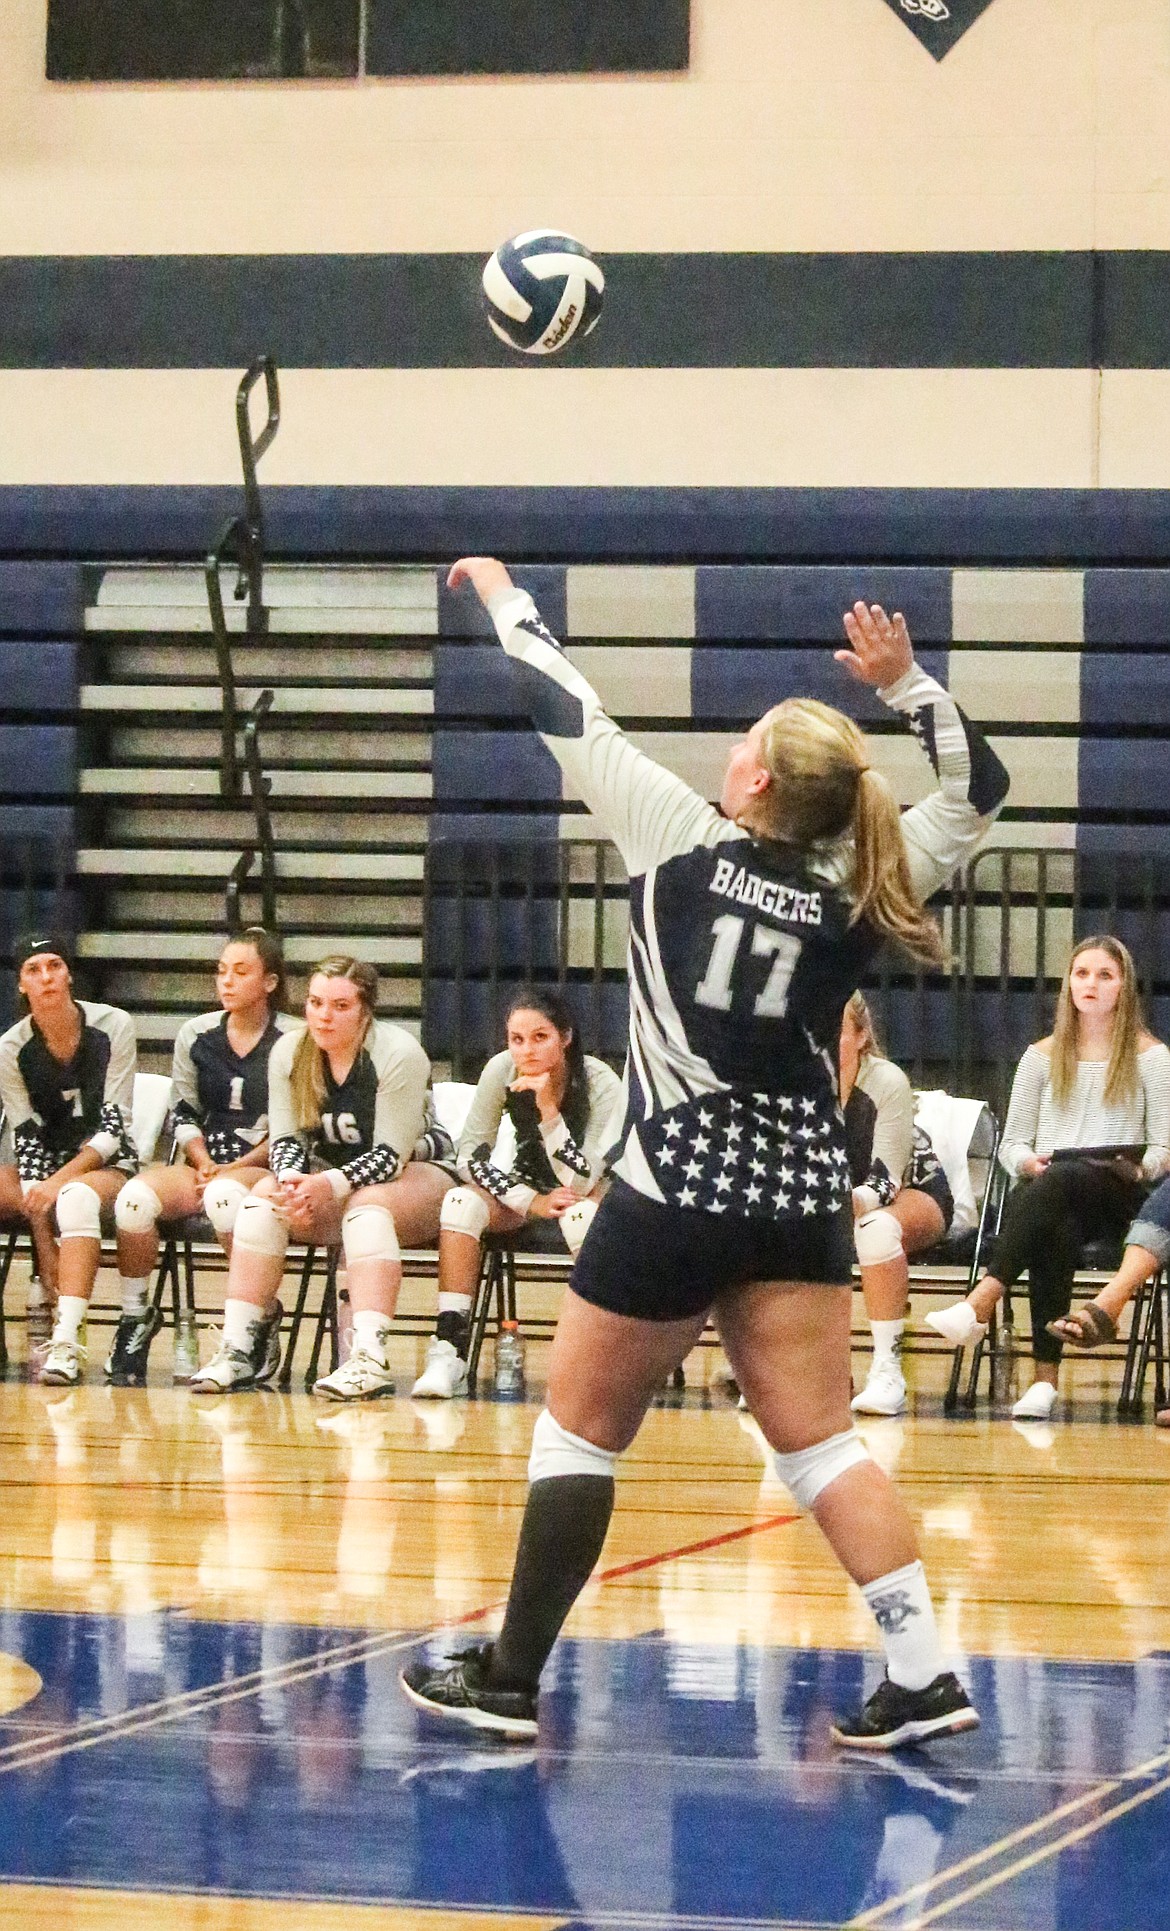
[1085, 1327]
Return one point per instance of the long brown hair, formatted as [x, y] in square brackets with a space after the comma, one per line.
[307, 1075]
[823, 786]
[1121, 1076]
[270, 952]
[858, 1009]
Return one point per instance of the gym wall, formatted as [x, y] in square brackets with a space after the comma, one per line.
[834, 262]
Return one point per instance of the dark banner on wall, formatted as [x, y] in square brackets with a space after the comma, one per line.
[104, 40]
[939, 23]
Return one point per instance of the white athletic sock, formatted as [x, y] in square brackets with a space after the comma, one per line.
[71, 1312]
[904, 1614]
[454, 1303]
[370, 1331]
[134, 1294]
[886, 1336]
[239, 1321]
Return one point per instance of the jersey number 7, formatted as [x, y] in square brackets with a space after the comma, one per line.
[715, 989]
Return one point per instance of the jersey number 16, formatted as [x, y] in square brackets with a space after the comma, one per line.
[714, 988]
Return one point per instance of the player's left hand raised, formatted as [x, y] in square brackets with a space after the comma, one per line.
[882, 651]
[484, 574]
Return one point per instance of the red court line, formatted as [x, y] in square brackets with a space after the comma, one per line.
[695, 1548]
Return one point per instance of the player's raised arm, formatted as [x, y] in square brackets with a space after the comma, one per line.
[944, 831]
[650, 814]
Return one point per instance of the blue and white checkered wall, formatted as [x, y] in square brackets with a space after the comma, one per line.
[1068, 669]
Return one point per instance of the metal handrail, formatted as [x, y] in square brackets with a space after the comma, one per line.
[259, 785]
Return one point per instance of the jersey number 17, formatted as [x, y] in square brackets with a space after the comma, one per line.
[715, 987]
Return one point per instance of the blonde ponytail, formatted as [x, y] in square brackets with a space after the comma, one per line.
[882, 889]
[822, 787]
[307, 1073]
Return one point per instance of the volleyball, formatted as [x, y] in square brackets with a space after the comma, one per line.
[542, 290]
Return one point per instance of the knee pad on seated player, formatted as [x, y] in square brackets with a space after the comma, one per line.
[810, 1470]
[878, 1238]
[79, 1212]
[464, 1211]
[369, 1234]
[260, 1228]
[556, 1452]
[222, 1200]
[137, 1208]
[576, 1222]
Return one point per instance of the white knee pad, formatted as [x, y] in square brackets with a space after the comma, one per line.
[260, 1229]
[137, 1208]
[576, 1222]
[464, 1211]
[810, 1470]
[222, 1199]
[878, 1238]
[369, 1234]
[556, 1452]
[79, 1212]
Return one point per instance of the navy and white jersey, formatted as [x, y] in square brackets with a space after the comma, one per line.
[546, 1156]
[53, 1110]
[741, 954]
[376, 1120]
[220, 1096]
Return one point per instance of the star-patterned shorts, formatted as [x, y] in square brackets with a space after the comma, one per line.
[657, 1262]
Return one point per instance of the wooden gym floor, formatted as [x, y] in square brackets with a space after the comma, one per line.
[204, 1606]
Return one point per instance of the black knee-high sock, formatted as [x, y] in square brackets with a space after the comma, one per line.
[560, 1540]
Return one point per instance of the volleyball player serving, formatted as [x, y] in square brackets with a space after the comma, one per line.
[748, 932]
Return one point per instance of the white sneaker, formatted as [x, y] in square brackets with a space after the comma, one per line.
[445, 1374]
[1036, 1403]
[64, 1364]
[885, 1391]
[228, 1372]
[959, 1324]
[363, 1377]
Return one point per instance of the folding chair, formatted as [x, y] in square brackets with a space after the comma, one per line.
[326, 1318]
[1149, 1333]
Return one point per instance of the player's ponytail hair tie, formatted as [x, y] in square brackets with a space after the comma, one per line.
[824, 788]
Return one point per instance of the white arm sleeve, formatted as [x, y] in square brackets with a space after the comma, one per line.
[1023, 1114]
[188, 1112]
[581, 1167]
[1154, 1067]
[945, 830]
[650, 814]
[113, 1137]
[893, 1128]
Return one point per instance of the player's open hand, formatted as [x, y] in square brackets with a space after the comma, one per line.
[882, 651]
[484, 574]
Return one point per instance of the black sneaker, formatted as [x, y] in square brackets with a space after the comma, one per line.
[894, 1715]
[266, 1348]
[126, 1362]
[459, 1690]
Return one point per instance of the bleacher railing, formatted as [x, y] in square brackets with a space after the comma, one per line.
[241, 542]
[498, 913]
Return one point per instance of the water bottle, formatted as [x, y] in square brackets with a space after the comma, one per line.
[508, 1382]
[344, 1323]
[186, 1355]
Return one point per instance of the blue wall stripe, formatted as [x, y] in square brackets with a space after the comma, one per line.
[735, 686]
[38, 676]
[1121, 688]
[924, 526]
[805, 605]
[500, 767]
[1127, 606]
[1116, 774]
[1015, 309]
[38, 760]
[45, 599]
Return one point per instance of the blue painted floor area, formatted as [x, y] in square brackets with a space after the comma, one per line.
[670, 1783]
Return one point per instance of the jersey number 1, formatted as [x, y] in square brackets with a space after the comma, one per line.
[714, 988]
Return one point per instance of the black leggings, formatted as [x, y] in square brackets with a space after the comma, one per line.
[1047, 1224]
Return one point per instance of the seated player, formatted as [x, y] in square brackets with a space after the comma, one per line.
[357, 1157]
[220, 1077]
[1088, 1128]
[67, 1088]
[902, 1202]
[565, 1110]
